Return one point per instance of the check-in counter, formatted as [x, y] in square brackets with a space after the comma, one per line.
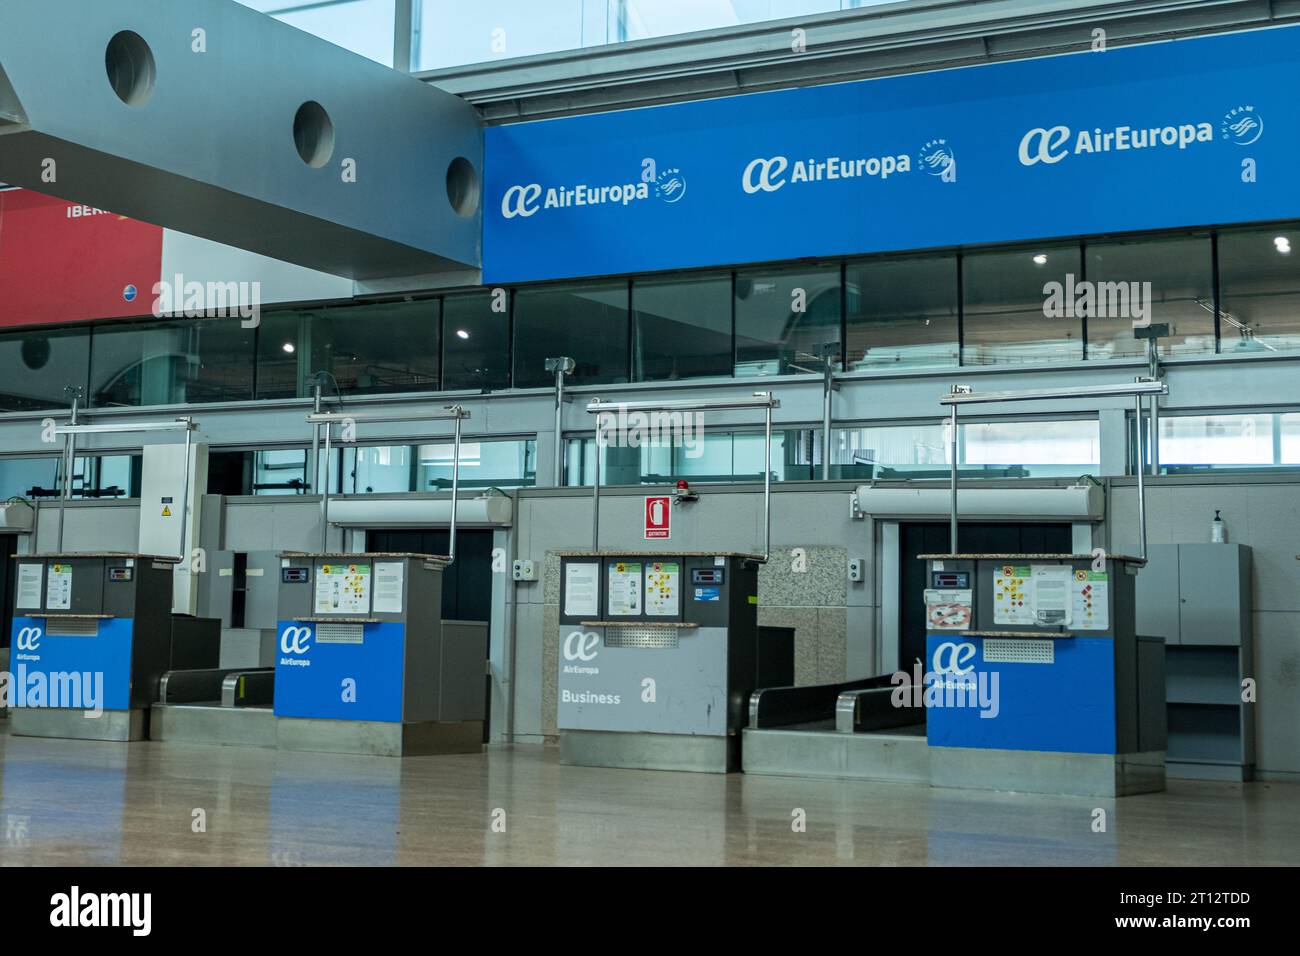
[1036, 678]
[92, 636]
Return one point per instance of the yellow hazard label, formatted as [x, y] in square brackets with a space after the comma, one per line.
[167, 512]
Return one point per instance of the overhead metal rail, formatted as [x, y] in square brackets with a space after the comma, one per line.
[73, 429]
[324, 422]
[763, 400]
[964, 395]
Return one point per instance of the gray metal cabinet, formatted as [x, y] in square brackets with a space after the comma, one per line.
[1197, 596]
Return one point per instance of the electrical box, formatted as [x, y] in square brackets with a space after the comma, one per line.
[524, 571]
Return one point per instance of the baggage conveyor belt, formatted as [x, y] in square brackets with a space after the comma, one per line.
[219, 705]
[851, 729]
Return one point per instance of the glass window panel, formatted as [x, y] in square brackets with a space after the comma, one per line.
[280, 471]
[1180, 270]
[284, 356]
[377, 469]
[488, 464]
[784, 318]
[1218, 441]
[166, 363]
[384, 347]
[587, 323]
[451, 32]
[19, 475]
[39, 363]
[362, 26]
[682, 327]
[721, 456]
[1004, 307]
[1259, 287]
[476, 343]
[1031, 448]
[902, 312]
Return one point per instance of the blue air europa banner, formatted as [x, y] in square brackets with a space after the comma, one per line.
[1182, 133]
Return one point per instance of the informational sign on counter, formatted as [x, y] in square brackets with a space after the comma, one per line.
[1013, 595]
[624, 589]
[58, 588]
[663, 589]
[29, 587]
[582, 590]
[1052, 594]
[948, 610]
[1040, 595]
[1090, 597]
[388, 586]
[343, 589]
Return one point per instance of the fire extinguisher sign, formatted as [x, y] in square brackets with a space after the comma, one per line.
[657, 520]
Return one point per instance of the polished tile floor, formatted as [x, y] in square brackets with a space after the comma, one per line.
[65, 802]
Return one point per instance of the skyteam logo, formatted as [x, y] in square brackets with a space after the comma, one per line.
[767, 174]
[1050, 145]
[129, 293]
[937, 159]
[671, 186]
[1243, 125]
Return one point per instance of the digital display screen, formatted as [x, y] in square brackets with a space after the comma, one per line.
[119, 574]
[294, 575]
[706, 575]
[948, 580]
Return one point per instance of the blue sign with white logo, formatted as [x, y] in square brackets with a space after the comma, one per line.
[340, 679]
[79, 673]
[1066, 706]
[1190, 132]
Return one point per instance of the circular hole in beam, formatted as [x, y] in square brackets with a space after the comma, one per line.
[131, 68]
[313, 134]
[462, 187]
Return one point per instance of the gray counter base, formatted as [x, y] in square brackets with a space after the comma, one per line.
[1188, 770]
[637, 751]
[379, 738]
[119, 725]
[213, 724]
[1034, 771]
[901, 758]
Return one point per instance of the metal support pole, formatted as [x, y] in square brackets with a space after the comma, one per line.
[1141, 485]
[455, 488]
[595, 494]
[185, 493]
[69, 457]
[1153, 371]
[314, 468]
[561, 365]
[952, 451]
[767, 478]
[325, 492]
[829, 351]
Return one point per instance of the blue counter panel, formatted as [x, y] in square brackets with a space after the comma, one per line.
[310, 676]
[37, 657]
[1066, 706]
